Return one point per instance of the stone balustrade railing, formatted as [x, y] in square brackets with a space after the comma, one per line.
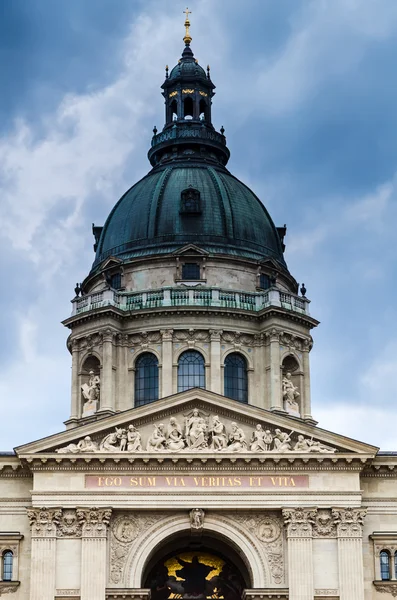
[192, 296]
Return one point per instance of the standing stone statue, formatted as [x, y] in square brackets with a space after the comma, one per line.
[290, 394]
[197, 519]
[91, 394]
[196, 431]
[261, 440]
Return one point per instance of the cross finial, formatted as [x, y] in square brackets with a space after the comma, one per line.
[187, 38]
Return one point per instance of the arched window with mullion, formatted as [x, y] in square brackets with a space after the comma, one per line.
[8, 559]
[146, 379]
[395, 565]
[191, 370]
[236, 377]
[384, 565]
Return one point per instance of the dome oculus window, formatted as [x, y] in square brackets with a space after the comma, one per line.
[190, 202]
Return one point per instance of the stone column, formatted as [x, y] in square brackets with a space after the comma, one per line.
[349, 526]
[95, 523]
[107, 391]
[166, 387]
[299, 522]
[43, 554]
[276, 402]
[306, 404]
[75, 412]
[215, 383]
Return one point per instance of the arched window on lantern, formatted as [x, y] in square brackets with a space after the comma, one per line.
[146, 379]
[6, 571]
[188, 108]
[385, 565]
[191, 370]
[236, 377]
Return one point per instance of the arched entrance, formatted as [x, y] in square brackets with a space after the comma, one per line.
[202, 567]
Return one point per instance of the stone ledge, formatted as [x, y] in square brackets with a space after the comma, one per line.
[127, 594]
[387, 587]
[266, 594]
[8, 587]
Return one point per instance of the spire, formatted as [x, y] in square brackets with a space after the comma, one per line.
[187, 37]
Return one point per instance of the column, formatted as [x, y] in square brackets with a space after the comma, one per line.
[275, 370]
[306, 407]
[75, 412]
[43, 522]
[350, 552]
[299, 522]
[215, 358]
[95, 523]
[107, 391]
[166, 388]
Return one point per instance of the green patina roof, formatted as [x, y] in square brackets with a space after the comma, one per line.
[147, 220]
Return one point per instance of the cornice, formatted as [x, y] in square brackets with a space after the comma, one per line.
[205, 462]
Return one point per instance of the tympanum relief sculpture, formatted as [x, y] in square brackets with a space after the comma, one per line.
[199, 433]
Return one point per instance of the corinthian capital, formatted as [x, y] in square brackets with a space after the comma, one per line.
[43, 521]
[299, 521]
[349, 521]
[94, 521]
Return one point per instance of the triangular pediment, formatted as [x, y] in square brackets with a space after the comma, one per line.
[197, 422]
[111, 261]
[190, 250]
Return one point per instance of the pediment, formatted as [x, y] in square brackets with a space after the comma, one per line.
[190, 250]
[197, 422]
[111, 261]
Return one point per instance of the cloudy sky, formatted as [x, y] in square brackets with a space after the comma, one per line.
[307, 93]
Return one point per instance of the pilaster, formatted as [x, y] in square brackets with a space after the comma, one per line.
[349, 526]
[275, 372]
[75, 400]
[94, 523]
[306, 408]
[43, 522]
[299, 522]
[107, 387]
[166, 388]
[216, 382]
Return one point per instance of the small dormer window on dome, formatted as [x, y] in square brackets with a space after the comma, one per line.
[190, 201]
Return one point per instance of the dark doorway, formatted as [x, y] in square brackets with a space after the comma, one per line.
[198, 572]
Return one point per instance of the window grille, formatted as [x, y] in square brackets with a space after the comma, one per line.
[146, 379]
[191, 370]
[236, 377]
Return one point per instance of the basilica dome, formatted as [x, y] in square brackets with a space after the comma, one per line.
[225, 218]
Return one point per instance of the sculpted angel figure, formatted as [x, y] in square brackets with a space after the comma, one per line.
[133, 439]
[84, 445]
[237, 439]
[282, 441]
[290, 393]
[260, 439]
[196, 431]
[157, 440]
[175, 439]
[219, 435]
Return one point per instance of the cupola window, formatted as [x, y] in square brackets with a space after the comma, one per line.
[188, 108]
[146, 379]
[190, 201]
[264, 281]
[191, 271]
[191, 370]
[115, 281]
[236, 379]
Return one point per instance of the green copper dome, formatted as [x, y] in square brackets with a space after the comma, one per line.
[189, 197]
[149, 218]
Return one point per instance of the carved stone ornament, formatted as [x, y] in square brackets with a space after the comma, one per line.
[125, 529]
[69, 524]
[268, 530]
[349, 521]
[94, 521]
[299, 521]
[324, 524]
[199, 432]
[197, 519]
[8, 588]
[43, 521]
[387, 588]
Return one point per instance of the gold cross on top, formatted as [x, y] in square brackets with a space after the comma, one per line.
[187, 38]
